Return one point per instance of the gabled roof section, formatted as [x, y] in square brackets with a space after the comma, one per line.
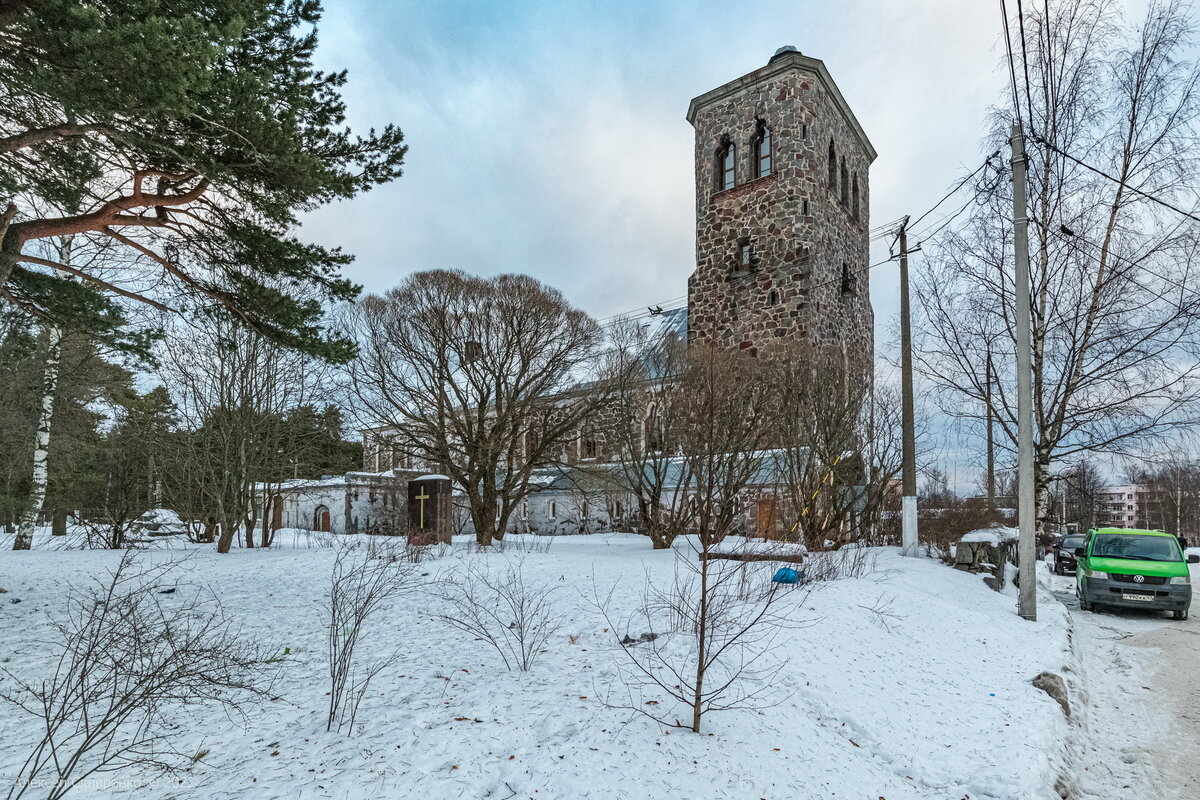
[782, 62]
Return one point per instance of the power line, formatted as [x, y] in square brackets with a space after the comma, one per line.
[951, 193]
[1025, 60]
[1012, 70]
[1037, 138]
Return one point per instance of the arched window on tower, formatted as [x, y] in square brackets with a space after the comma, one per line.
[832, 168]
[847, 279]
[854, 196]
[845, 183]
[762, 151]
[726, 161]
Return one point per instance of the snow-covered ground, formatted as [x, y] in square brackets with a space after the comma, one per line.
[929, 699]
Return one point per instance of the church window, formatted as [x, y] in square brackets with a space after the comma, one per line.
[803, 131]
[726, 159]
[553, 509]
[832, 168]
[473, 352]
[745, 254]
[653, 429]
[773, 298]
[854, 196]
[847, 279]
[845, 183]
[762, 151]
[588, 446]
[804, 208]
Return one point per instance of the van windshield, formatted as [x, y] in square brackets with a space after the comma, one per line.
[1071, 542]
[1140, 548]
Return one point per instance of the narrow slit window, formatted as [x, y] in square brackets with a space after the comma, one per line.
[728, 171]
[762, 155]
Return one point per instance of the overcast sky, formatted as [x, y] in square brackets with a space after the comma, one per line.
[550, 137]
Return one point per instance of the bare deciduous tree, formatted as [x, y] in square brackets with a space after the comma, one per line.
[1113, 294]
[838, 436]
[128, 662]
[501, 606]
[476, 377]
[232, 387]
[364, 581]
[704, 640]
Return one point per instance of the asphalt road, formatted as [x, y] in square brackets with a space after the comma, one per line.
[1138, 705]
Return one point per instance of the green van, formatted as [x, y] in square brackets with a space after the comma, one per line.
[1134, 569]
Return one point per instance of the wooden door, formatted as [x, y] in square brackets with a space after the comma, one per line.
[321, 519]
[765, 518]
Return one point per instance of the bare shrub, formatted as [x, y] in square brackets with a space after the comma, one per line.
[128, 662]
[106, 532]
[851, 561]
[364, 579]
[704, 640]
[515, 543]
[500, 606]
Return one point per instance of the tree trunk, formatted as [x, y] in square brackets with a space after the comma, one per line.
[701, 645]
[58, 523]
[41, 448]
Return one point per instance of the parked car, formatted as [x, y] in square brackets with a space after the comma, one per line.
[1134, 569]
[1064, 553]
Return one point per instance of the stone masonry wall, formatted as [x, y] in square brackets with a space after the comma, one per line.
[800, 231]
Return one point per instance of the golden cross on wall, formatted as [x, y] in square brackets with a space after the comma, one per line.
[423, 496]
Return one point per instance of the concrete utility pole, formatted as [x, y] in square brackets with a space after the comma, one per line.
[908, 539]
[1026, 545]
[991, 440]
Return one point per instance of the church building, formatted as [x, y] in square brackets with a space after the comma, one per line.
[782, 249]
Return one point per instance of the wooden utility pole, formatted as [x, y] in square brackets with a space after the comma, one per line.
[908, 538]
[1026, 545]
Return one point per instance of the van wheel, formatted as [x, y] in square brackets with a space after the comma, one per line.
[1180, 614]
[1084, 605]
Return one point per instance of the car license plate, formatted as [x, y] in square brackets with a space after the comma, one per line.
[1143, 597]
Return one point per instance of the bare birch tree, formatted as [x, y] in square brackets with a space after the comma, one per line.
[1114, 294]
[481, 378]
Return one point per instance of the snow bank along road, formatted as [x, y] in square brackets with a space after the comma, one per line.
[1138, 714]
[929, 700]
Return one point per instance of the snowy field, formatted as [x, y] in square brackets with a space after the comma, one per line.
[930, 699]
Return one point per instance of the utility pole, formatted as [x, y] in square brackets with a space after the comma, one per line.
[1026, 544]
[908, 538]
[991, 440]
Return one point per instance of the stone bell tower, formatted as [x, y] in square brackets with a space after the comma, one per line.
[782, 212]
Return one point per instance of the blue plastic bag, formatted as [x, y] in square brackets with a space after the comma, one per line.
[788, 575]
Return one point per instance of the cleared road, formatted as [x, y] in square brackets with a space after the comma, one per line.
[1137, 706]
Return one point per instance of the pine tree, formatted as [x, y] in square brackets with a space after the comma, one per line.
[187, 134]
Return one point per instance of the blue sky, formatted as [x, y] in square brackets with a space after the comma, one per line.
[549, 137]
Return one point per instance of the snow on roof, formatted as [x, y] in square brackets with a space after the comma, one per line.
[993, 535]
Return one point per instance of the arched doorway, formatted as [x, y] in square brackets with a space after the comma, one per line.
[321, 519]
